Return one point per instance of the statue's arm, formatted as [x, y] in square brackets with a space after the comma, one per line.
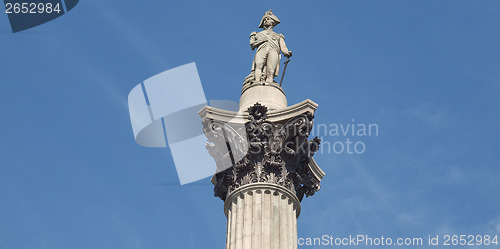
[255, 41]
[283, 47]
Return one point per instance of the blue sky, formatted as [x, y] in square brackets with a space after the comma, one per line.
[426, 72]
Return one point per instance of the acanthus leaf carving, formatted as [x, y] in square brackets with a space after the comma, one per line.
[277, 153]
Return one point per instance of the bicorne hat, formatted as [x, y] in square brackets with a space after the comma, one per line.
[270, 15]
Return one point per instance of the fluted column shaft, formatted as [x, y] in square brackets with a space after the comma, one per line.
[261, 216]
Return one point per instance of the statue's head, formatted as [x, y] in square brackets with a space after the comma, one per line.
[269, 19]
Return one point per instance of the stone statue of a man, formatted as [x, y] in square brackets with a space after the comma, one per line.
[269, 46]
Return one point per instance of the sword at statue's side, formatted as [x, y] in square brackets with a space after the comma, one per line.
[284, 69]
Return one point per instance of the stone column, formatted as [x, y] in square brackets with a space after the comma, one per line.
[265, 168]
[261, 215]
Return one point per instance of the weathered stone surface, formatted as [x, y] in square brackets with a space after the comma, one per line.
[261, 215]
[276, 152]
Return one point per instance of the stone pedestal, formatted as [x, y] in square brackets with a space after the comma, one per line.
[267, 94]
